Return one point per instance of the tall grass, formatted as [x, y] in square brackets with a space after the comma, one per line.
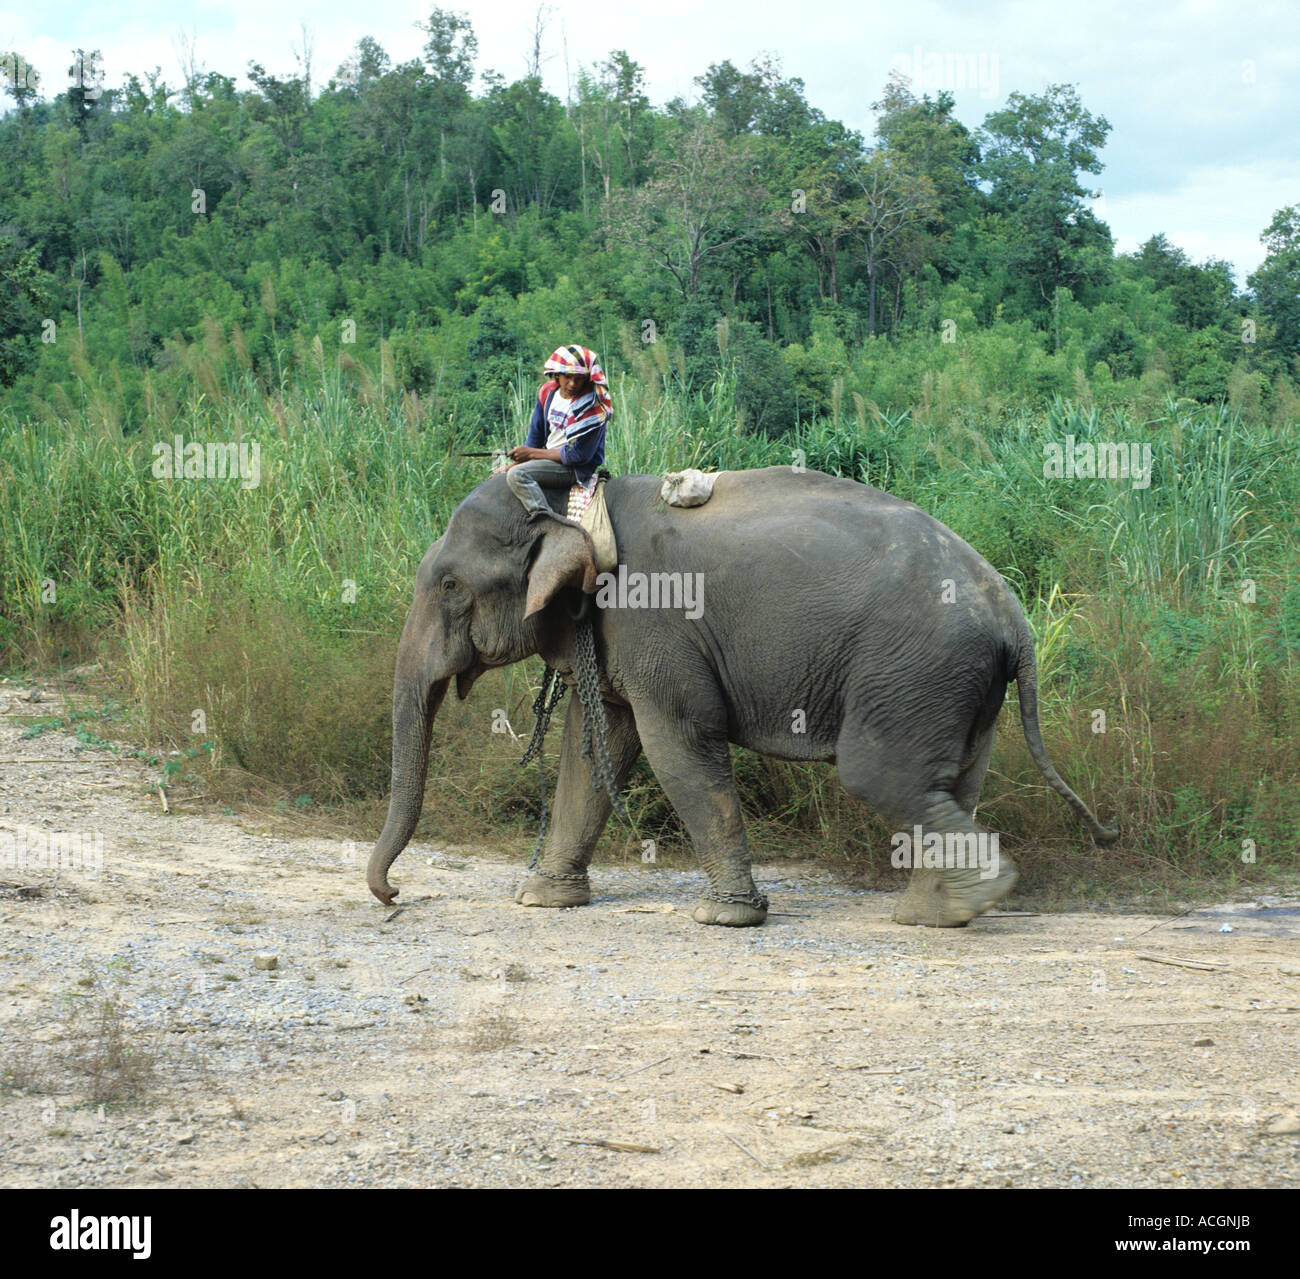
[275, 610]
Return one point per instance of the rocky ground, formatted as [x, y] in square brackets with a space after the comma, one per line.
[270, 1024]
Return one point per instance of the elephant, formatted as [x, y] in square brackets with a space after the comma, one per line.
[835, 622]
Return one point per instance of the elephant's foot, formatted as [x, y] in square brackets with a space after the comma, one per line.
[952, 898]
[543, 890]
[733, 910]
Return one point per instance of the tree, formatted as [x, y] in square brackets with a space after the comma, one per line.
[20, 79]
[895, 200]
[449, 53]
[1032, 154]
[934, 143]
[283, 106]
[831, 210]
[626, 81]
[531, 132]
[1199, 297]
[85, 93]
[27, 292]
[368, 64]
[703, 199]
[759, 100]
[1277, 281]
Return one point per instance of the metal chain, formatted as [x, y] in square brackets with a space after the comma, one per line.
[548, 698]
[595, 729]
[754, 899]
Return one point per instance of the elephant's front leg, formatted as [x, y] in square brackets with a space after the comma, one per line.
[695, 771]
[579, 812]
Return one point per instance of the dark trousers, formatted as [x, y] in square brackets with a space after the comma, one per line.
[527, 479]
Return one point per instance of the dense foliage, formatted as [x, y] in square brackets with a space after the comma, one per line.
[440, 241]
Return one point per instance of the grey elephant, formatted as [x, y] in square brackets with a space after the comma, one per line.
[818, 619]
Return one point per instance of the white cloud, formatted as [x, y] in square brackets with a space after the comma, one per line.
[1217, 211]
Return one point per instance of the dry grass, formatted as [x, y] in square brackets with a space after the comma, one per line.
[114, 1060]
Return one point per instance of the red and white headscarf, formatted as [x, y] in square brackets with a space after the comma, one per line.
[578, 359]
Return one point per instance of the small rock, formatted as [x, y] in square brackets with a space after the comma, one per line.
[185, 1138]
[1285, 1126]
[1289, 970]
[265, 962]
[1207, 1042]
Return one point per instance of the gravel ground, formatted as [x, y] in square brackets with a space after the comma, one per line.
[463, 1040]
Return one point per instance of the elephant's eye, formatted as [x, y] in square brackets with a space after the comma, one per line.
[448, 584]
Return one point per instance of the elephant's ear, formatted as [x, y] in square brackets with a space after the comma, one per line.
[564, 557]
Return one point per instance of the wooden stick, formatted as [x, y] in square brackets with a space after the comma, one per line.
[629, 1147]
[639, 1069]
[890, 1070]
[747, 1151]
[1197, 964]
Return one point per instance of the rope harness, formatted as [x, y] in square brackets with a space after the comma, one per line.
[595, 727]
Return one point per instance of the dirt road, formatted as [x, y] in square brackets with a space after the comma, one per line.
[468, 1041]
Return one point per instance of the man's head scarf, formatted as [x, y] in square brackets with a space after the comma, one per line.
[578, 359]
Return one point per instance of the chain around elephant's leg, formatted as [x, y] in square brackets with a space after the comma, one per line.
[579, 812]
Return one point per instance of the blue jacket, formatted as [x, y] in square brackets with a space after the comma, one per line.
[583, 449]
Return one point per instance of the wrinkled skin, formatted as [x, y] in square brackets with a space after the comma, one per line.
[838, 623]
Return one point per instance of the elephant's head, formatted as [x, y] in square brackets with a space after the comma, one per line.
[486, 594]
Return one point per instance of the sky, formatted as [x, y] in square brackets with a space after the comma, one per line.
[1203, 96]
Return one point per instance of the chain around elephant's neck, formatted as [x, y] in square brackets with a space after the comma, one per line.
[595, 728]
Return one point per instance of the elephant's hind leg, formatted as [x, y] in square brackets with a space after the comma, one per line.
[951, 895]
[579, 811]
[964, 873]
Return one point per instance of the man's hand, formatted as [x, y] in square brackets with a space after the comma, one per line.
[523, 454]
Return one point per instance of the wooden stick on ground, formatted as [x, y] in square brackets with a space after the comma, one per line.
[629, 1147]
[1198, 964]
[747, 1151]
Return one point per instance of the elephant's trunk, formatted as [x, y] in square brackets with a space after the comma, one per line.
[415, 703]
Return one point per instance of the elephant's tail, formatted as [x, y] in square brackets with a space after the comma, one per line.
[1026, 676]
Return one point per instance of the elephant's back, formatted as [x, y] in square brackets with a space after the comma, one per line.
[819, 530]
[777, 503]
